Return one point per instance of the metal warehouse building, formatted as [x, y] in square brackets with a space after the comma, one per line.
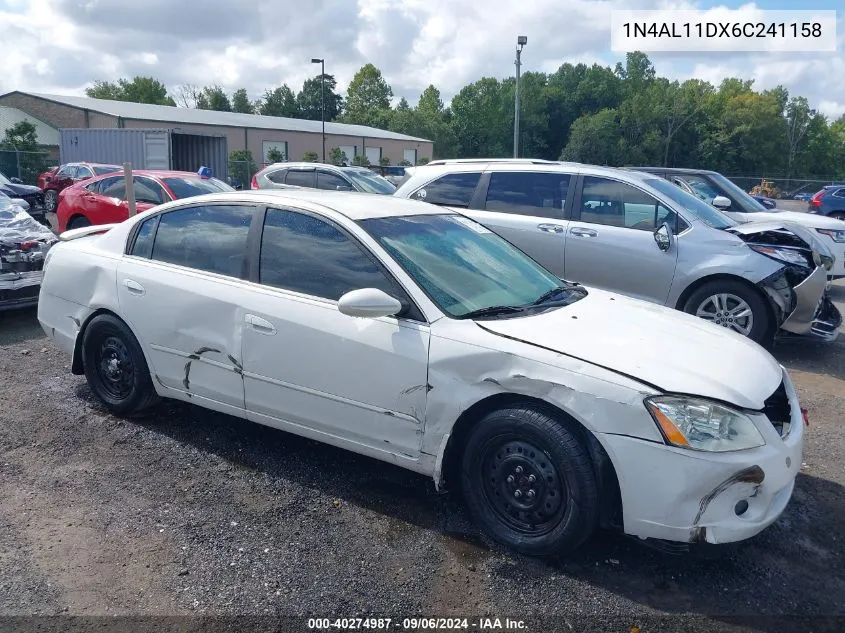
[189, 129]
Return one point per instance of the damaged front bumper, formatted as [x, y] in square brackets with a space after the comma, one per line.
[681, 495]
[805, 308]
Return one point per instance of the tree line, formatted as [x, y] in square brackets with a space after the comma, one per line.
[622, 115]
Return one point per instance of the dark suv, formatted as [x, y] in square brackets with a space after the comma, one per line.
[829, 201]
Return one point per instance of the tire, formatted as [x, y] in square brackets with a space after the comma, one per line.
[78, 222]
[521, 443]
[115, 366]
[709, 301]
[839, 215]
[51, 199]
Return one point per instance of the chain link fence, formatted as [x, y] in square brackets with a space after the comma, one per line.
[25, 165]
[783, 188]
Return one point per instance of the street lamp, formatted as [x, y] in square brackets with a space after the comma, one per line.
[322, 63]
[521, 41]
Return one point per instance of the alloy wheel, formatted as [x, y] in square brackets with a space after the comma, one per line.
[727, 310]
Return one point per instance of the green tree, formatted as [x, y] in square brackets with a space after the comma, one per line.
[241, 102]
[595, 138]
[137, 90]
[214, 98]
[310, 157]
[242, 165]
[430, 103]
[309, 103]
[274, 155]
[360, 160]
[423, 161]
[337, 156]
[482, 121]
[798, 116]
[279, 102]
[23, 138]
[367, 98]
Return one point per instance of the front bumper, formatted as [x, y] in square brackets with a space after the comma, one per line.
[674, 494]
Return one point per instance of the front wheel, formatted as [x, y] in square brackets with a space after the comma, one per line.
[51, 199]
[529, 482]
[78, 222]
[115, 366]
[735, 306]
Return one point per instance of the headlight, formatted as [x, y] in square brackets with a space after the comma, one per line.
[783, 254]
[703, 425]
[835, 234]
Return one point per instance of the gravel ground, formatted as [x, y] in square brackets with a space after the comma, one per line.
[186, 511]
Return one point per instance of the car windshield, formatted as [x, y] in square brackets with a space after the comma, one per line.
[370, 182]
[105, 169]
[189, 186]
[703, 211]
[466, 269]
[748, 204]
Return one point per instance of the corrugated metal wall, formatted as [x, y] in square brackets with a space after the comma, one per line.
[115, 146]
[192, 151]
[146, 149]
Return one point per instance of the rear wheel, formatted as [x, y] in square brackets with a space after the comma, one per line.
[735, 306]
[529, 483]
[839, 215]
[78, 222]
[51, 199]
[115, 366]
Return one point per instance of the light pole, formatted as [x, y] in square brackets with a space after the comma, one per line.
[521, 41]
[322, 63]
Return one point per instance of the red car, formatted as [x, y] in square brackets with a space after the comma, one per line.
[54, 181]
[102, 200]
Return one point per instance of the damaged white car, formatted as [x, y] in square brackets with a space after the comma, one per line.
[24, 243]
[414, 335]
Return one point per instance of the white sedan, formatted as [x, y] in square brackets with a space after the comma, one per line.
[416, 336]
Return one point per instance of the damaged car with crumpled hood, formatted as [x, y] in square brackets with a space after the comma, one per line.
[414, 335]
[24, 243]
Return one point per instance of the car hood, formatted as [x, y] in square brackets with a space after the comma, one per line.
[804, 219]
[667, 349]
[12, 190]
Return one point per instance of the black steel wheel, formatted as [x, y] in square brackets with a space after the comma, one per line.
[115, 366]
[529, 482]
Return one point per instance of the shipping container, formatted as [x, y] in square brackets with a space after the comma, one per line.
[146, 149]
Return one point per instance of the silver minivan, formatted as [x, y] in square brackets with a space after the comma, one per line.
[640, 235]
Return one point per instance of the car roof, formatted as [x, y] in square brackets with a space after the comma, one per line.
[673, 170]
[155, 173]
[353, 205]
[430, 171]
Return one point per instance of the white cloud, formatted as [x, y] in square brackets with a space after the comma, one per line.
[64, 45]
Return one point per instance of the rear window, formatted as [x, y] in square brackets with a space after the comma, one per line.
[187, 186]
[106, 169]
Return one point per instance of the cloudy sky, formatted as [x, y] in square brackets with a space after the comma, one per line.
[62, 46]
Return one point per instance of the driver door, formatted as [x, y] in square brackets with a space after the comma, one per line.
[610, 240]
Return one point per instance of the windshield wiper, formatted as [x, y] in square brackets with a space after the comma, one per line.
[492, 311]
[546, 296]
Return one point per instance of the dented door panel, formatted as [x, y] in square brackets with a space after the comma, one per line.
[360, 379]
[189, 322]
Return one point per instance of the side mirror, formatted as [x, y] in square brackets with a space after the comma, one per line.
[663, 237]
[368, 302]
[721, 202]
[16, 180]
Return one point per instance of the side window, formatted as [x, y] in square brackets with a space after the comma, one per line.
[148, 190]
[64, 172]
[94, 187]
[300, 178]
[210, 238]
[332, 182]
[453, 189]
[528, 193]
[701, 188]
[615, 203]
[114, 187]
[70, 171]
[277, 176]
[83, 172]
[143, 246]
[307, 255]
[840, 193]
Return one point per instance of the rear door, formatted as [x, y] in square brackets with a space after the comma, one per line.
[529, 209]
[610, 240]
[332, 182]
[300, 177]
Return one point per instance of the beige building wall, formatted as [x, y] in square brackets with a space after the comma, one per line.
[55, 114]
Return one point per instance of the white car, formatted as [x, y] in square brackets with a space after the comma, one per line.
[414, 335]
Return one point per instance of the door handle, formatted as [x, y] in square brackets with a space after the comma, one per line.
[583, 232]
[134, 287]
[260, 325]
[550, 228]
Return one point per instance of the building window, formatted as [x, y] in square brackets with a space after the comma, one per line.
[280, 146]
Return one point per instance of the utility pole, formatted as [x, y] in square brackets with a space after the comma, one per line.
[322, 63]
[521, 41]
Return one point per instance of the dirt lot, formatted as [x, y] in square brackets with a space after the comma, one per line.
[186, 511]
